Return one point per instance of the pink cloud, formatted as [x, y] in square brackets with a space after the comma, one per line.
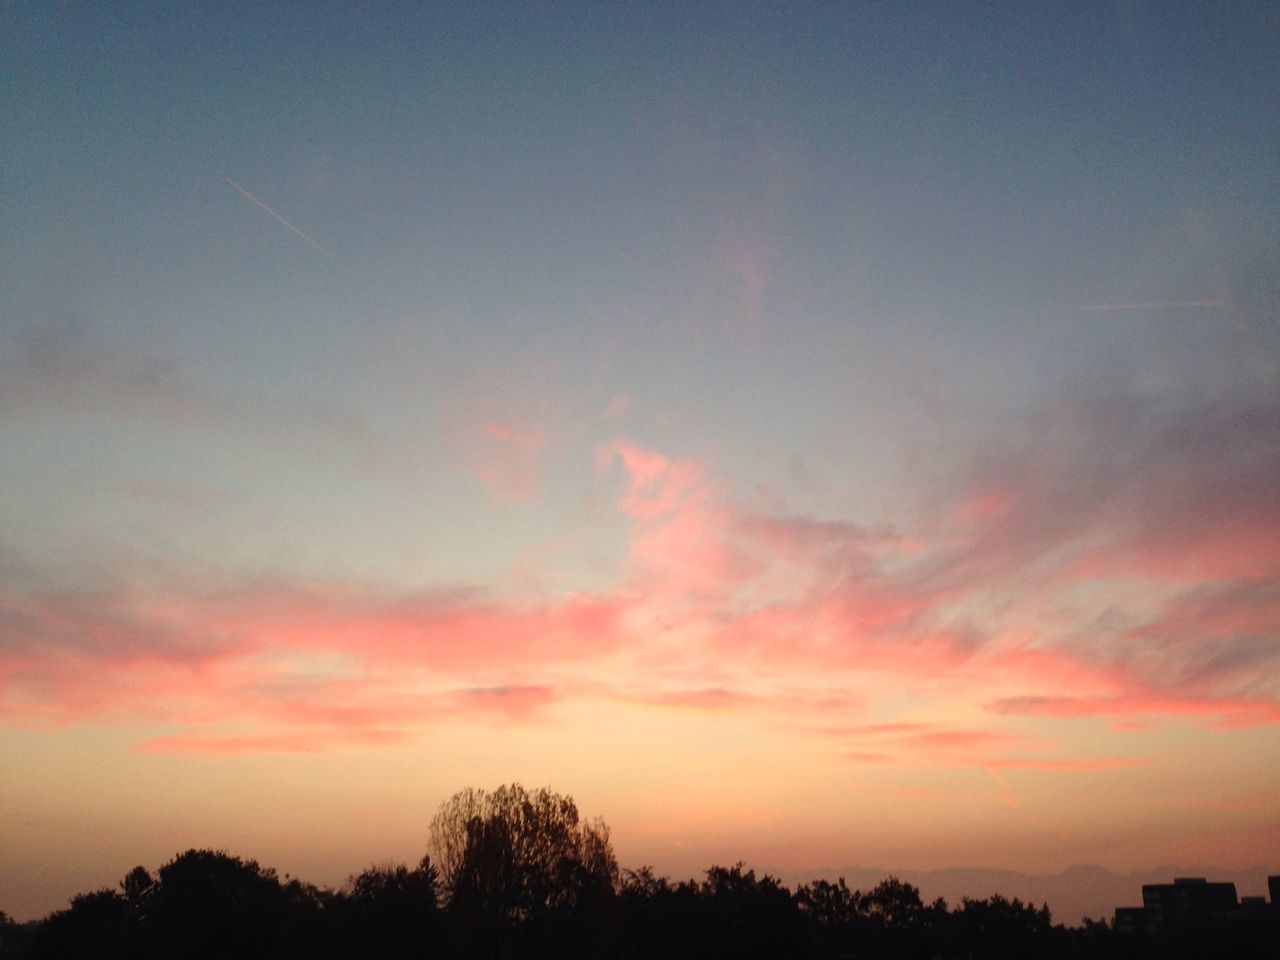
[254, 654]
[1229, 713]
[931, 745]
[682, 545]
[874, 629]
[1110, 487]
[656, 485]
[437, 630]
[526, 438]
[794, 590]
[721, 606]
[374, 714]
[507, 459]
[504, 421]
[985, 506]
[930, 742]
[769, 586]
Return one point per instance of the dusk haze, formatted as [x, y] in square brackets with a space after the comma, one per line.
[833, 437]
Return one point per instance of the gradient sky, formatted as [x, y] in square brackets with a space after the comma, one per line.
[810, 434]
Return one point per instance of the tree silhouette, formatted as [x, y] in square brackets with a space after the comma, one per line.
[829, 905]
[1008, 928]
[12, 937]
[894, 905]
[750, 917]
[137, 887]
[392, 911]
[209, 905]
[512, 859]
[94, 927]
[522, 877]
[833, 912]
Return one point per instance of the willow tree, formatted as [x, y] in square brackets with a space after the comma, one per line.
[509, 855]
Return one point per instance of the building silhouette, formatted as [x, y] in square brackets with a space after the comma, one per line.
[1186, 901]
[1191, 903]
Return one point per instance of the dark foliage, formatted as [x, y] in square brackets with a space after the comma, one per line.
[96, 927]
[521, 876]
[390, 912]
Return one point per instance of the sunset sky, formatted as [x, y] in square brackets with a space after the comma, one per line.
[807, 434]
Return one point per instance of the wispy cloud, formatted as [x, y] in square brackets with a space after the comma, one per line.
[296, 742]
[69, 370]
[1227, 713]
[504, 422]
[1070, 764]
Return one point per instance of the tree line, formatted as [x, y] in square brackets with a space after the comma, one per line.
[514, 874]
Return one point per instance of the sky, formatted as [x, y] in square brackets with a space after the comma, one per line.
[810, 434]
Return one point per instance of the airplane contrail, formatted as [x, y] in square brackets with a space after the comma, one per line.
[1147, 305]
[249, 196]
